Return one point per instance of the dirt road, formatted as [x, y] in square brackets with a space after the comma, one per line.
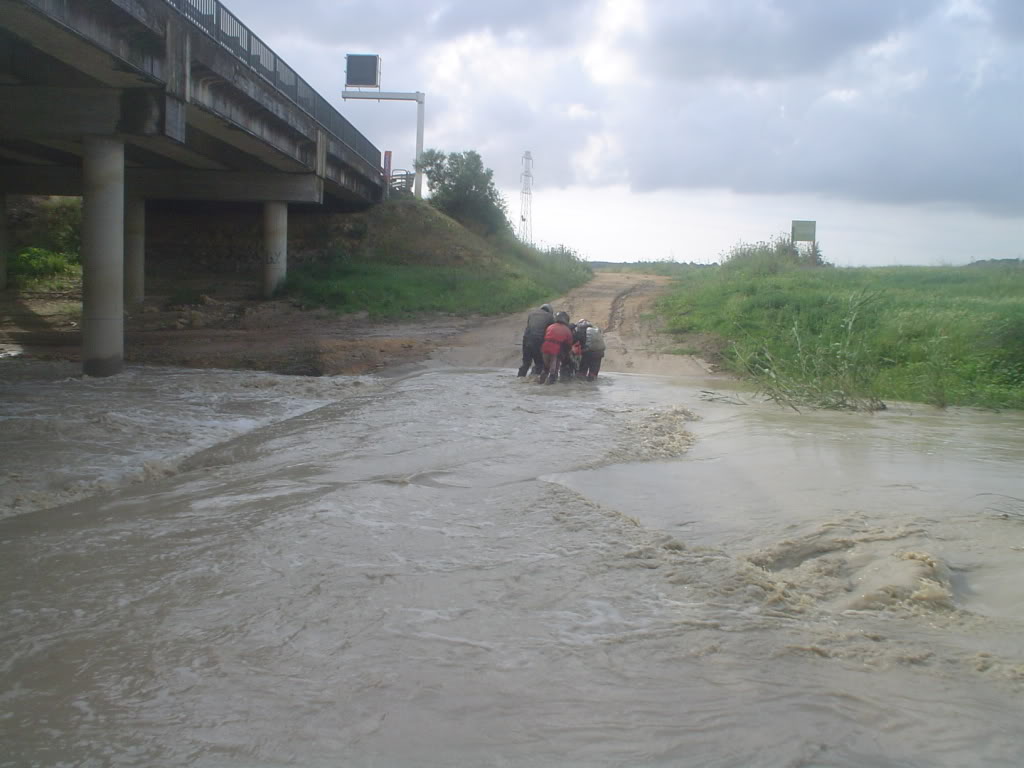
[621, 304]
[277, 336]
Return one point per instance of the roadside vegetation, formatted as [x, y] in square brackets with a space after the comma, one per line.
[663, 267]
[503, 275]
[813, 335]
[46, 244]
[456, 253]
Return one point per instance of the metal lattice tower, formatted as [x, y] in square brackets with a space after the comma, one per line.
[526, 200]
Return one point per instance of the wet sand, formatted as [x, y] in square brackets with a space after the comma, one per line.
[278, 337]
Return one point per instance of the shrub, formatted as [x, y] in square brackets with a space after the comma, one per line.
[772, 256]
[35, 263]
[50, 223]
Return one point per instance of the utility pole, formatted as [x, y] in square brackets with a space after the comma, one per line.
[526, 200]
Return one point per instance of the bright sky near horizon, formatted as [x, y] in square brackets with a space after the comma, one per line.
[673, 129]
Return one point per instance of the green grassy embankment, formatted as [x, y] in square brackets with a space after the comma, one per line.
[853, 338]
[405, 257]
[393, 260]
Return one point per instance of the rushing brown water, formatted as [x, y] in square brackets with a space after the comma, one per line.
[457, 568]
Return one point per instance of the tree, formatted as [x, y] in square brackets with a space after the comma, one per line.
[463, 188]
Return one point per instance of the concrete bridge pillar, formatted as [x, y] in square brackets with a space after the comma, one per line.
[102, 256]
[134, 251]
[5, 241]
[275, 246]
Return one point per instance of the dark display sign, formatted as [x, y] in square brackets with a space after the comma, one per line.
[362, 70]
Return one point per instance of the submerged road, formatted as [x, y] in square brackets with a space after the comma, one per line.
[461, 568]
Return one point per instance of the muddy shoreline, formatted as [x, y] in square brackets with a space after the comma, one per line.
[235, 332]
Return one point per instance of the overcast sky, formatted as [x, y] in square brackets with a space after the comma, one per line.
[676, 128]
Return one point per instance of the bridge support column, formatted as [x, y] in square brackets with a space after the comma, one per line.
[5, 241]
[102, 256]
[134, 251]
[275, 246]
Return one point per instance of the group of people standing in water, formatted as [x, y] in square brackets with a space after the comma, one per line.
[555, 347]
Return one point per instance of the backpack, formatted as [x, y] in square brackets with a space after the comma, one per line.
[595, 341]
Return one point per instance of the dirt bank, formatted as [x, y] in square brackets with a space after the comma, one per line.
[621, 304]
[237, 332]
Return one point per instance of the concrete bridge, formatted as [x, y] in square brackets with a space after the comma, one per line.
[123, 101]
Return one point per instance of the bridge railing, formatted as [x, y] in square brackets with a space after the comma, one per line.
[222, 25]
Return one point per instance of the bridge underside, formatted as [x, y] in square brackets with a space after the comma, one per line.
[124, 102]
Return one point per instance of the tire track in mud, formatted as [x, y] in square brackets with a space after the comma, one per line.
[617, 312]
[616, 326]
[615, 302]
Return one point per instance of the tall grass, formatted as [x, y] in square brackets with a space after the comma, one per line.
[392, 290]
[664, 267]
[37, 269]
[556, 269]
[51, 223]
[852, 338]
[411, 258]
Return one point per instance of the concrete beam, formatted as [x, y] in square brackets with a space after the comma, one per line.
[215, 67]
[91, 36]
[236, 186]
[40, 180]
[34, 112]
[171, 184]
[221, 110]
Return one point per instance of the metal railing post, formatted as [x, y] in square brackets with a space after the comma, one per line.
[333, 120]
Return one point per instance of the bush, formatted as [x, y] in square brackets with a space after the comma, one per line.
[36, 263]
[50, 223]
[772, 256]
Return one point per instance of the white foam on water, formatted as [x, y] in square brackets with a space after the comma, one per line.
[64, 437]
[406, 580]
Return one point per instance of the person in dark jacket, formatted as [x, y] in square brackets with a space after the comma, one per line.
[592, 341]
[537, 323]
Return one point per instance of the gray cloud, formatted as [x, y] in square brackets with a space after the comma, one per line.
[766, 40]
[940, 122]
[1008, 18]
[907, 101]
[541, 23]
[379, 24]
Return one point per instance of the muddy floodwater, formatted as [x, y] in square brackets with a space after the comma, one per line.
[457, 568]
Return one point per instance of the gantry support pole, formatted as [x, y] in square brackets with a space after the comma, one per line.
[275, 246]
[134, 251]
[420, 110]
[420, 98]
[102, 256]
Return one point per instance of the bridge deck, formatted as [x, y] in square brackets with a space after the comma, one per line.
[123, 101]
[184, 82]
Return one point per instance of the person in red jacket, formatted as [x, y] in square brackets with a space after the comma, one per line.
[557, 338]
